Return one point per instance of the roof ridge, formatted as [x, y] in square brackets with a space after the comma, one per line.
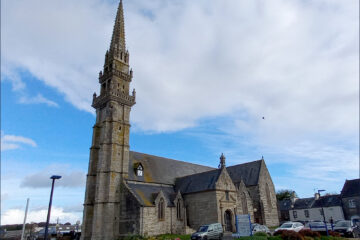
[245, 163]
[213, 170]
[173, 159]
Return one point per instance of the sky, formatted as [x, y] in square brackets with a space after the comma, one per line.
[277, 79]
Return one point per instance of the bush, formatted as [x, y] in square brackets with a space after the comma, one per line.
[330, 238]
[289, 235]
[279, 232]
[253, 238]
[334, 234]
[274, 238]
[309, 233]
[134, 237]
[260, 234]
[173, 237]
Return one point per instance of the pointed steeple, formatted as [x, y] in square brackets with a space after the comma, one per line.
[118, 37]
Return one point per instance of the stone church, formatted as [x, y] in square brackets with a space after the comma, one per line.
[132, 193]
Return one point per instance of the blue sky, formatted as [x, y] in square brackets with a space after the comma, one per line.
[205, 72]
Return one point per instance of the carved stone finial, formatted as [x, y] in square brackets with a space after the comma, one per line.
[94, 95]
[222, 161]
[134, 93]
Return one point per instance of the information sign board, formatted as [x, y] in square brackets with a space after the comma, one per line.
[243, 225]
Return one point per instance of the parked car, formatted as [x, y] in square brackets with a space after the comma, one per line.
[41, 233]
[255, 227]
[290, 226]
[347, 228]
[317, 226]
[210, 231]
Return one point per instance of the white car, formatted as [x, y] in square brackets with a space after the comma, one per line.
[290, 226]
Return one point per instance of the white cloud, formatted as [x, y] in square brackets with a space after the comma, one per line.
[10, 142]
[13, 77]
[38, 99]
[69, 179]
[16, 216]
[294, 62]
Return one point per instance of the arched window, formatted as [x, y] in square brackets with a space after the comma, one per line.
[268, 196]
[244, 203]
[178, 209]
[161, 209]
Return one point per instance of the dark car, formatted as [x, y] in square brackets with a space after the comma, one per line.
[347, 229]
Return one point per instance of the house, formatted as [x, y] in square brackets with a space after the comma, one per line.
[311, 209]
[284, 207]
[350, 196]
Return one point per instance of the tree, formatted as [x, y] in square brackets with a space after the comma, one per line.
[285, 194]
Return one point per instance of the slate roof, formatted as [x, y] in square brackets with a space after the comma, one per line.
[186, 177]
[197, 182]
[327, 201]
[285, 205]
[303, 203]
[248, 172]
[351, 188]
[161, 170]
[146, 194]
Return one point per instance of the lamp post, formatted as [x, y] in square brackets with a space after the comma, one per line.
[54, 177]
[323, 212]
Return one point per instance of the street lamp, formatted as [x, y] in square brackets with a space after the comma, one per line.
[54, 177]
[323, 212]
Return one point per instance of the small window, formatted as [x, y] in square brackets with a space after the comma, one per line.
[306, 212]
[295, 214]
[227, 195]
[178, 210]
[161, 209]
[139, 171]
[352, 203]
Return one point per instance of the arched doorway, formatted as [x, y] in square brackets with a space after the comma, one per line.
[228, 221]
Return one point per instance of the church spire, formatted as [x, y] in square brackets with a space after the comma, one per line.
[118, 37]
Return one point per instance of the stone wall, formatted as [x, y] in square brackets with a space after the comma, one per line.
[351, 206]
[129, 218]
[201, 208]
[151, 225]
[243, 192]
[268, 202]
[257, 208]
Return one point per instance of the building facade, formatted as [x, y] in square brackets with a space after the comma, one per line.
[131, 193]
[311, 209]
[350, 196]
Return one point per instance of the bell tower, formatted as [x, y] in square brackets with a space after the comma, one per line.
[109, 152]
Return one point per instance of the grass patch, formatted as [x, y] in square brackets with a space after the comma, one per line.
[253, 238]
[172, 237]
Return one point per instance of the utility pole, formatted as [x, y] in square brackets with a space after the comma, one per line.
[323, 212]
[26, 210]
[54, 177]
